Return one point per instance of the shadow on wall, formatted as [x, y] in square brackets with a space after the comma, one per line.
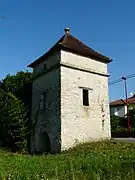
[46, 136]
[47, 143]
[45, 146]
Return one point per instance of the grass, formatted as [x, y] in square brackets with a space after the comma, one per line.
[108, 160]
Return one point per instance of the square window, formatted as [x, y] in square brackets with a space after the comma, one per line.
[85, 97]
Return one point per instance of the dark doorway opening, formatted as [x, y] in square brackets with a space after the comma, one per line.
[45, 143]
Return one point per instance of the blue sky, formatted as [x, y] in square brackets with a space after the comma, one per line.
[33, 26]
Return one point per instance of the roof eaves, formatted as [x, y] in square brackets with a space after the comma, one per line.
[95, 57]
[48, 53]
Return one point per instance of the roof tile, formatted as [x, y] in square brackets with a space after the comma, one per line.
[72, 44]
[131, 100]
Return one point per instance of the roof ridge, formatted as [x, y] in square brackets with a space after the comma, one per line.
[72, 44]
[132, 97]
[82, 43]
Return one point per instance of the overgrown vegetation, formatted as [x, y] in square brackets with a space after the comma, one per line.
[20, 85]
[120, 124]
[15, 108]
[90, 161]
[13, 129]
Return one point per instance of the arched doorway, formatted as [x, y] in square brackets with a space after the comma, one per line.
[45, 143]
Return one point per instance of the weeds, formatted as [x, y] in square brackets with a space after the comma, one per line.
[90, 161]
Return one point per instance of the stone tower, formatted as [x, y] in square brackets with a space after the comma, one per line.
[70, 96]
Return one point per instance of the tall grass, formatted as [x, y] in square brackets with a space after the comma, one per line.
[107, 160]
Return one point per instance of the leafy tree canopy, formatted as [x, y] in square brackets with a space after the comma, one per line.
[13, 122]
[15, 98]
[20, 85]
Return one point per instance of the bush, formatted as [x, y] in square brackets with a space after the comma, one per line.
[115, 121]
[13, 129]
[118, 123]
[20, 86]
[119, 129]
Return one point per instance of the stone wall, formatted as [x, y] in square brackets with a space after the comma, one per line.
[65, 121]
[46, 121]
[47, 63]
[85, 63]
[83, 123]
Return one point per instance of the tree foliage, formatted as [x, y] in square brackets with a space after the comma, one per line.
[15, 110]
[132, 115]
[120, 124]
[20, 85]
[13, 129]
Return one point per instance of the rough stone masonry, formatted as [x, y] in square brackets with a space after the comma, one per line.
[70, 96]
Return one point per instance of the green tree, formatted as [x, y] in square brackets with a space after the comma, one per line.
[20, 85]
[13, 119]
[132, 116]
[118, 124]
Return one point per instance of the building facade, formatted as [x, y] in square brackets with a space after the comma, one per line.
[70, 101]
[119, 107]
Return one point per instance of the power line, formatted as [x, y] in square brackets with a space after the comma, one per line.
[120, 79]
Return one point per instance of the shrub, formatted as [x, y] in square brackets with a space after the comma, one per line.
[13, 129]
[20, 86]
[119, 124]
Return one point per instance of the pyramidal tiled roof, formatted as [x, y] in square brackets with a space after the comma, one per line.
[72, 44]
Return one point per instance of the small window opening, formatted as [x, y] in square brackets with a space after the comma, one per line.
[85, 97]
[43, 101]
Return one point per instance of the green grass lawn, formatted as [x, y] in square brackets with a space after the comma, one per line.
[107, 160]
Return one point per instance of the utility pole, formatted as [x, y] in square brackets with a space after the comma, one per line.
[126, 94]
